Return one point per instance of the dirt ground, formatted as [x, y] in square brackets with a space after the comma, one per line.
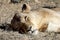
[7, 11]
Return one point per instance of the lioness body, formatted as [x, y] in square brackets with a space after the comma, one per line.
[39, 18]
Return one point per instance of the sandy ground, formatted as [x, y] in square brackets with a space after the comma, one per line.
[7, 11]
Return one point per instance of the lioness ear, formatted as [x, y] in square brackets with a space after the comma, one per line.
[26, 8]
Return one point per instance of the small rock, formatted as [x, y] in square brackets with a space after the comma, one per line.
[16, 1]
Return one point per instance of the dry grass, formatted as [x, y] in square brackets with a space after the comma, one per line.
[7, 12]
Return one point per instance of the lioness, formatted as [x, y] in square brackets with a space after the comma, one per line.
[40, 20]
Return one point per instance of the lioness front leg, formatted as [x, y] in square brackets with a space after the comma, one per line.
[43, 27]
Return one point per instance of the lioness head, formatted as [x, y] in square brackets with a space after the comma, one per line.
[20, 21]
[25, 21]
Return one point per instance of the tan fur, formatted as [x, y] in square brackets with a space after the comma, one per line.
[43, 27]
[40, 19]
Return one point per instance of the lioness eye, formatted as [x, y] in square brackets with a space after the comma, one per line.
[25, 18]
